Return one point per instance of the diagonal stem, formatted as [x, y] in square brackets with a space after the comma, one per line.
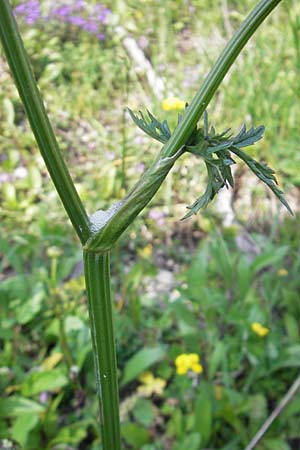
[24, 78]
[97, 276]
[148, 185]
[215, 77]
[289, 396]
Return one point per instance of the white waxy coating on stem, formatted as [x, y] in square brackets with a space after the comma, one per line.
[100, 218]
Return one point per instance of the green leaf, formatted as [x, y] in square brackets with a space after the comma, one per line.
[23, 426]
[141, 361]
[190, 442]
[276, 444]
[269, 258]
[48, 380]
[18, 406]
[143, 412]
[264, 173]
[214, 184]
[151, 126]
[28, 310]
[215, 149]
[246, 138]
[203, 413]
[72, 434]
[216, 359]
[135, 435]
[292, 327]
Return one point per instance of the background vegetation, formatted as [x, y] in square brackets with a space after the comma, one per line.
[226, 293]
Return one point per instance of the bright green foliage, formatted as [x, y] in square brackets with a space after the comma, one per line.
[218, 296]
[43, 310]
[216, 151]
[157, 130]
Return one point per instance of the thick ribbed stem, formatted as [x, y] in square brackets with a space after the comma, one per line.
[97, 276]
[21, 70]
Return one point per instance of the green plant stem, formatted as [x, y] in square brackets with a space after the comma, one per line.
[213, 80]
[97, 242]
[148, 185]
[39, 121]
[97, 276]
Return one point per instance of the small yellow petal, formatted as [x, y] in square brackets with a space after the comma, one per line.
[181, 370]
[197, 368]
[259, 329]
[194, 358]
[173, 104]
[146, 251]
[181, 359]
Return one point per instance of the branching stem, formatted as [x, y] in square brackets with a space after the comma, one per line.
[98, 241]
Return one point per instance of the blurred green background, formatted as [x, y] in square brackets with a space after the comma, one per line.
[225, 289]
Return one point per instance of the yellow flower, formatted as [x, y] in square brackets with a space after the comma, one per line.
[151, 385]
[188, 361]
[282, 272]
[146, 251]
[259, 329]
[172, 104]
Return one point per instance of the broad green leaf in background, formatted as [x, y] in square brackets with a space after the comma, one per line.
[17, 406]
[190, 442]
[143, 412]
[216, 359]
[141, 361]
[203, 413]
[269, 258]
[135, 435]
[23, 426]
[275, 444]
[72, 434]
[29, 309]
[289, 357]
[48, 380]
[292, 327]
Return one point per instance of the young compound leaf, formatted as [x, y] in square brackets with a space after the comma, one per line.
[264, 173]
[215, 149]
[246, 138]
[155, 129]
[214, 184]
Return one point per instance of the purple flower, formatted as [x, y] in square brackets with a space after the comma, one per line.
[80, 21]
[43, 397]
[91, 27]
[21, 9]
[62, 11]
[30, 10]
[155, 214]
[78, 5]
[72, 12]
